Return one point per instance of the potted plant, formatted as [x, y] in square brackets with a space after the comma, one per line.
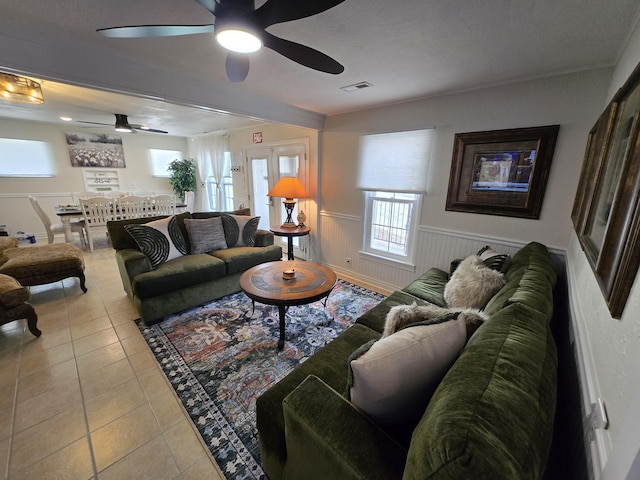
[183, 176]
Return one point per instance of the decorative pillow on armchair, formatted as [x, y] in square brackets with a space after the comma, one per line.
[472, 284]
[160, 240]
[393, 379]
[205, 235]
[240, 230]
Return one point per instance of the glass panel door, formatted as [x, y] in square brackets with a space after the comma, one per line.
[262, 205]
[268, 165]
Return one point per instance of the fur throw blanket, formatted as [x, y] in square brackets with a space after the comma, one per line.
[402, 315]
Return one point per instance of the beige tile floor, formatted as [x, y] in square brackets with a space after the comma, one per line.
[87, 399]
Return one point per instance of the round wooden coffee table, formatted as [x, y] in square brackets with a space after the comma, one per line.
[266, 284]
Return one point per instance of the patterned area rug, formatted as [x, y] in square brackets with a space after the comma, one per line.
[220, 361]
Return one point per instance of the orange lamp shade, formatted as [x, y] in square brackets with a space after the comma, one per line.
[289, 188]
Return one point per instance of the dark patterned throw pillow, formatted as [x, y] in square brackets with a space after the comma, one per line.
[494, 260]
[240, 230]
[160, 240]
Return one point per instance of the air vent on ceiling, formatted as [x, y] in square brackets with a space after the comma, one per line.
[356, 86]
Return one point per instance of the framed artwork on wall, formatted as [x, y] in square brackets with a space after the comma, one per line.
[606, 214]
[95, 150]
[501, 172]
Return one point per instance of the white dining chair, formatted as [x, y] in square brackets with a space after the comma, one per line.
[163, 204]
[97, 212]
[189, 200]
[54, 229]
[132, 206]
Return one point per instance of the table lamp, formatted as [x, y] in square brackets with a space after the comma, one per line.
[289, 188]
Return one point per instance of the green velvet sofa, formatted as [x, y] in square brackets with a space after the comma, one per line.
[491, 416]
[187, 281]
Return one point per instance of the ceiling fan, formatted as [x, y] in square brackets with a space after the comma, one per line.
[122, 125]
[240, 28]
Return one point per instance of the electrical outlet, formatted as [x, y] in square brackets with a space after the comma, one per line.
[348, 261]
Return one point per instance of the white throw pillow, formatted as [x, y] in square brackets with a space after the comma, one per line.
[472, 284]
[394, 380]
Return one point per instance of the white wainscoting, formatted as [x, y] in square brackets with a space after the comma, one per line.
[340, 237]
[18, 214]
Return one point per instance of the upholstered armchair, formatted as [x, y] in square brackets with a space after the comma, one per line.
[14, 304]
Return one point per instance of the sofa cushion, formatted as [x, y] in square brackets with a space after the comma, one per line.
[392, 379]
[376, 317]
[205, 235]
[240, 230]
[182, 271]
[12, 293]
[492, 415]
[239, 259]
[429, 286]
[472, 284]
[160, 240]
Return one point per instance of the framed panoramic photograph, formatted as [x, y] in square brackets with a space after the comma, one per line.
[501, 172]
[606, 211]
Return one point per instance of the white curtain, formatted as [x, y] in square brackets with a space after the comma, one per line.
[209, 154]
[218, 145]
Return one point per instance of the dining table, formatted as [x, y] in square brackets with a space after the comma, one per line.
[69, 213]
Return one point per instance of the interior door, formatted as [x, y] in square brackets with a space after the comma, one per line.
[266, 166]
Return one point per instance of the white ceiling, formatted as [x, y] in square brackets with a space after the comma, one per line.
[405, 48]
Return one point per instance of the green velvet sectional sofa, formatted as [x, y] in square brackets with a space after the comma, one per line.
[491, 416]
[189, 280]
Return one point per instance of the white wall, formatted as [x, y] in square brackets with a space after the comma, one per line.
[574, 101]
[68, 179]
[611, 347]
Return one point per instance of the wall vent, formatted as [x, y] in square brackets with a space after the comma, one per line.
[356, 86]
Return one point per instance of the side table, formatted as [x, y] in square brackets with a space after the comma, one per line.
[290, 233]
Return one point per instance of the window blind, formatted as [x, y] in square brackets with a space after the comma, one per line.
[160, 160]
[25, 158]
[395, 162]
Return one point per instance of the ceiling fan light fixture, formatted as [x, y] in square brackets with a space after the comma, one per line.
[122, 124]
[238, 40]
[15, 88]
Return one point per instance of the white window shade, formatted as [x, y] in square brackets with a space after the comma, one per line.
[25, 158]
[160, 160]
[395, 162]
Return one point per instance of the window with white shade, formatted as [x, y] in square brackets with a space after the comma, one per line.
[392, 173]
[160, 160]
[25, 158]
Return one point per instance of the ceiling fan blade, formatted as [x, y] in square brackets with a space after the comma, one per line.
[210, 5]
[95, 123]
[142, 31]
[302, 54]
[278, 11]
[145, 129]
[237, 66]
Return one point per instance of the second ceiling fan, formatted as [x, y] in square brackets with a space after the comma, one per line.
[122, 125]
[240, 28]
